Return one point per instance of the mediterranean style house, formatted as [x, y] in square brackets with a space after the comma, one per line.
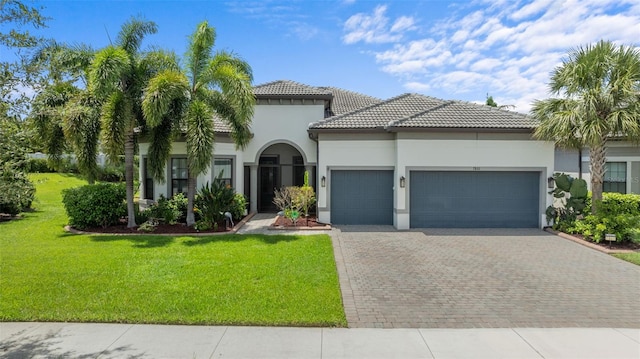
[411, 161]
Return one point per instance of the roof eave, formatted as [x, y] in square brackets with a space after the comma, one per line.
[462, 129]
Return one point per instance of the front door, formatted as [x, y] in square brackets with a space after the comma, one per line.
[269, 181]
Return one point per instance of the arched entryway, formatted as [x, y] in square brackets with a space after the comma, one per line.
[280, 165]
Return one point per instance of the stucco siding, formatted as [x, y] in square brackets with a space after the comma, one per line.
[470, 155]
[283, 124]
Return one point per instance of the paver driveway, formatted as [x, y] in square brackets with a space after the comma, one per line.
[481, 278]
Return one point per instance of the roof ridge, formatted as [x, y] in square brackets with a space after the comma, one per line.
[490, 108]
[350, 91]
[431, 109]
[361, 109]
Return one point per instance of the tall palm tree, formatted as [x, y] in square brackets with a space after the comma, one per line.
[212, 85]
[66, 115]
[600, 87]
[117, 77]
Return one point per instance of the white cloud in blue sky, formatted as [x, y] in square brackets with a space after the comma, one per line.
[507, 48]
[448, 49]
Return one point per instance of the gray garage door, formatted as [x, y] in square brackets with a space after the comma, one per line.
[361, 197]
[474, 199]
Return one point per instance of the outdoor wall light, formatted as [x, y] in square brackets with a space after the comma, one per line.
[323, 181]
[551, 183]
[402, 181]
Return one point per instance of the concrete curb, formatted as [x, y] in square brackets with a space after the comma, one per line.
[587, 244]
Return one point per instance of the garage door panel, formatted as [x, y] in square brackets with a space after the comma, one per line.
[474, 199]
[361, 197]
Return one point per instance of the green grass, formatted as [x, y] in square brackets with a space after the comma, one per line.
[49, 275]
[629, 257]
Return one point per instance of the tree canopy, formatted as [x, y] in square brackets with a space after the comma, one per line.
[597, 89]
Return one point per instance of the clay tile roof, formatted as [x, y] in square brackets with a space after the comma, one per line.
[379, 115]
[459, 114]
[346, 101]
[288, 89]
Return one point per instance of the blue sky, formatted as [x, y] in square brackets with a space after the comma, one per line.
[447, 49]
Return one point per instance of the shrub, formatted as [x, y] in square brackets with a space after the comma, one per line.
[110, 173]
[618, 214]
[38, 165]
[238, 206]
[172, 211]
[16, 191]
[94, 205]
[215, 199]
[617, 203]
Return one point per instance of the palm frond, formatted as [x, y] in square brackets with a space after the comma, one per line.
[167, 88]
[115, 114]
[133, 32]
[160, 141]
[199, 52]
[199, 136]
[107, 70]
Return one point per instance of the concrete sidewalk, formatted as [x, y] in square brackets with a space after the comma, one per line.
[75, 340]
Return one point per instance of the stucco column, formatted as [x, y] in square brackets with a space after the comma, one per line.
[253, 179]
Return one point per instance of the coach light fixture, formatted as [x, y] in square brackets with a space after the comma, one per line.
[323, 181]
[551, 183]
[402, 181]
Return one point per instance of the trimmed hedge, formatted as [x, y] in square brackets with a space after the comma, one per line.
[95, 205]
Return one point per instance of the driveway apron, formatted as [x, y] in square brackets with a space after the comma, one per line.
[475, 278]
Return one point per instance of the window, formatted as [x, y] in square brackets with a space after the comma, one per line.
[224, 165]
[615, 177]
[179, 175]
[298, 171]
[148, 181]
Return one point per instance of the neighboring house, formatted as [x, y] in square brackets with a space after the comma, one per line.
[622, 168]
[412, 161]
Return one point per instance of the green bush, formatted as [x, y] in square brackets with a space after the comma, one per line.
[110, 173]
[617, 203]
[94, 205]
[170, 210]
[16, 191]
[618, 214]
[212, 201]
[38, 165]
[238, 206]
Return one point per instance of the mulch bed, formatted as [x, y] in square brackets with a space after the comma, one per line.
[179, 228]
[614, 245]
[310, 222]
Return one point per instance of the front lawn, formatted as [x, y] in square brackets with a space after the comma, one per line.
[629, 257]
[49, 275]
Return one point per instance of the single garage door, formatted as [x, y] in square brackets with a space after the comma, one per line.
[474, 199]
[361, 197]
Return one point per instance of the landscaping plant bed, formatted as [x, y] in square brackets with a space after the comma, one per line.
[310, 222]
[179, 228]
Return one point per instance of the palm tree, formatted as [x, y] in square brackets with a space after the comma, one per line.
[599, 85]
[117, 77]
[212, 85]
[65, 115]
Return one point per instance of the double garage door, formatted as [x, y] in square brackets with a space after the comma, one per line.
[439, 199]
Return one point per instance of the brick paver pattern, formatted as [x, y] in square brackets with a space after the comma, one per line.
[481, 278]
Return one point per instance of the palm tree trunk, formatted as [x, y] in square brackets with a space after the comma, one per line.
[191, 194]
[128, 176]
[598, 160]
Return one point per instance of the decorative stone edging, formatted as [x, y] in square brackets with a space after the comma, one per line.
[586, 243]
[197, 234]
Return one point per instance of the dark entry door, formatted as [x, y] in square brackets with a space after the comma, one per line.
[268, 182]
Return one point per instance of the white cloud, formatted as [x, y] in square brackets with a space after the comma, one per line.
[507, 49]
[417, 86]
[373, 28]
